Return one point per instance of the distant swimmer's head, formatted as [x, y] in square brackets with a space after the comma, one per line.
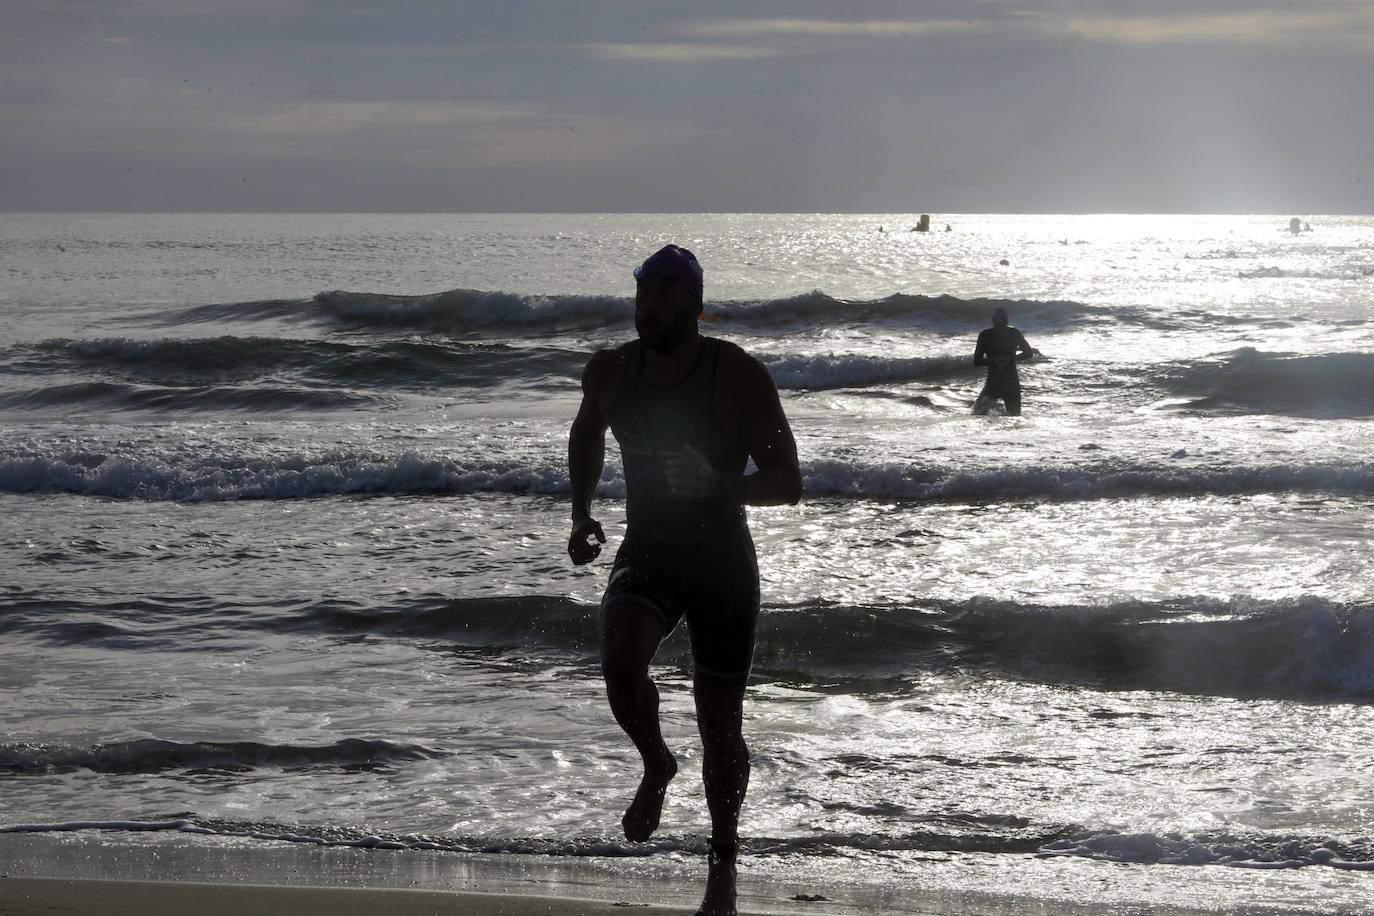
[999, 317]
[668, 296]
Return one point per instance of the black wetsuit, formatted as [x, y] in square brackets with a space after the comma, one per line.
[682, 557]
[997, 349]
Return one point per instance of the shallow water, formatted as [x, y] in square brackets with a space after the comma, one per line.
[287, 506]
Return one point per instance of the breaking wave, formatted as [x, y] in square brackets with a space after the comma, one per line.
[230, 469]
[1249, 381]
[1300, 648]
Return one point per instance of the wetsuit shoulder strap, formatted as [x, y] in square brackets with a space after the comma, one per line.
[631, 369]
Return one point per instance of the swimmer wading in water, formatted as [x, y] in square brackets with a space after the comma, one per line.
[1000, 348]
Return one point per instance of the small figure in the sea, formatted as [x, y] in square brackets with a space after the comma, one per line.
[689, 411]
[1295, 225]
[1000, 348]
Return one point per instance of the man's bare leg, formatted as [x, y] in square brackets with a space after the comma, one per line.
[725, 771]
[630, 635]
[641, 818]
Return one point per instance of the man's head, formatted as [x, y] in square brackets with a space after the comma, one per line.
[668, 297]
[999, 317]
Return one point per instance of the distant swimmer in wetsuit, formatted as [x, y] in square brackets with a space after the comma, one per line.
[1000, 348]
[688, 412]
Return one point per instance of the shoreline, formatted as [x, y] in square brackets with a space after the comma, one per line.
[81, 872]
[97, 873]
[90, 896]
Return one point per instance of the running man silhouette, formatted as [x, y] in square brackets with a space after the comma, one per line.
[688, 411]
[1000, 348]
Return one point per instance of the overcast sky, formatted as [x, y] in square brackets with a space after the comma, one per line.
[713, 105]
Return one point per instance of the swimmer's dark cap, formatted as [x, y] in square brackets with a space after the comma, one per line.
[671, 263]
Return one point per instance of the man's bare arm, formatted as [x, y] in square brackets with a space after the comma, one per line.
[769, 438]
[980, 351]
[586, 458]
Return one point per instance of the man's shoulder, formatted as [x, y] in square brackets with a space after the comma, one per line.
[733, 353]
[730, 353]
[611, 356]
[605, 365]
[739, 368]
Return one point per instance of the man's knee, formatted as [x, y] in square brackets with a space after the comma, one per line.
[720, 706]
[631, 630]
[618, 672]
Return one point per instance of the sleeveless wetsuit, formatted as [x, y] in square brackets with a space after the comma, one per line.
[997, 348]
[684, 558]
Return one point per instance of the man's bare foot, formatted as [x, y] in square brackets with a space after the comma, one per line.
[641, 818]
[720, 881]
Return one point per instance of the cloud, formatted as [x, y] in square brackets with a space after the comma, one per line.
[1306, 28]
[325, 120]
[149, 120]
[755, 39]
[679, 52]
[1346, 24]
[862, 28]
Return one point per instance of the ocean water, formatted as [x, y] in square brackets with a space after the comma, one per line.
[285, 504]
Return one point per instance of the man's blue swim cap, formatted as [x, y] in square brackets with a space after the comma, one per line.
[671, 263]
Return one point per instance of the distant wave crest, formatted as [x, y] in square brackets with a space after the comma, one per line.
[170, 373]
[907, 481]
[187, 478]
[845, 371]
[124, 471]
[1249, 381]
[461, 310]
